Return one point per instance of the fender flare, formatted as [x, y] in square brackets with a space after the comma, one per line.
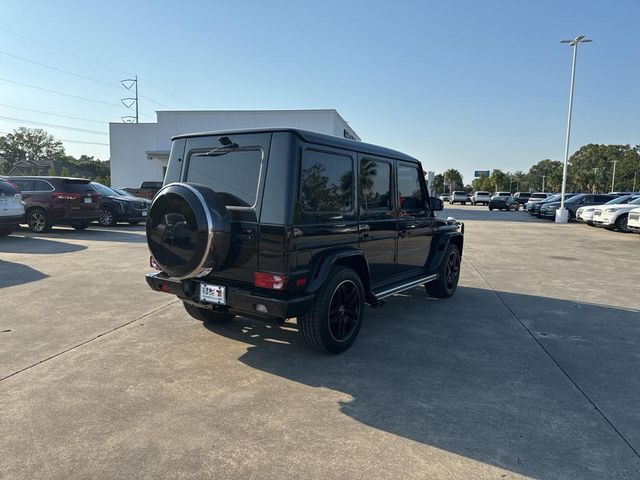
[351, 257]
[439, 246]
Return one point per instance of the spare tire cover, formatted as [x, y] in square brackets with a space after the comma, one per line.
[188, 230]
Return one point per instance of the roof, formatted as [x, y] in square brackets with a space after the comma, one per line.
[313, 137]
[47, 177]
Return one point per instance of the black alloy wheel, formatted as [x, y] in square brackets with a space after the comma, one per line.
[344, 311]
[448, 275]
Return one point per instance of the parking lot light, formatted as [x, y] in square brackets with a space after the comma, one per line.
[562, 214]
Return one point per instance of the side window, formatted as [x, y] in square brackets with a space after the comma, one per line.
[375, 185]
[326, 182]
[410, 195]
[42, 186]
[23, 184]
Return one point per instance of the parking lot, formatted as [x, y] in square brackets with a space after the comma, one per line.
[530, 370]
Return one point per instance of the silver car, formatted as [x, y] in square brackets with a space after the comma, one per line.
[11, 208]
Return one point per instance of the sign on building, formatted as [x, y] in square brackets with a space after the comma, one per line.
[481, 173]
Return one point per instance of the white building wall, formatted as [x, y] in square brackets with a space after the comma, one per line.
[140, 151]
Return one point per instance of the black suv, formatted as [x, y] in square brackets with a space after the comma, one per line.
[116, 207]
[281, 223]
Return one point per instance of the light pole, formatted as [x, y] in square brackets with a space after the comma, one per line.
[543, 177]
[595, 178]
[613, 177]
[562, 215]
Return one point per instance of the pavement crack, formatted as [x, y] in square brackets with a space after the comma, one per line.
[553, 359]
[144, 315]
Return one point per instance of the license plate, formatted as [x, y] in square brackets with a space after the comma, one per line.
[87, 200]
[212, 293]
[144, 214]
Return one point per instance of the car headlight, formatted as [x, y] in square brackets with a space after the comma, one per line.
[609, 210]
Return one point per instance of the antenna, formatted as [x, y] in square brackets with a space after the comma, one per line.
[129, 102]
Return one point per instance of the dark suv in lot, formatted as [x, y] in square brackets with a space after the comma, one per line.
[53, 201]
[282, 223]
[116, 207]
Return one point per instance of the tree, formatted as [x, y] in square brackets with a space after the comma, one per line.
[552, 172]
[438, 183]
[452, 177]
[591, 167]
[498, 179]
[29, 144]
[65, 172]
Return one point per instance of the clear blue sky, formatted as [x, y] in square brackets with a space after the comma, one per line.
[462, 84]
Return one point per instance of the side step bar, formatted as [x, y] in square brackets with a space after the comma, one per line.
[404, 286]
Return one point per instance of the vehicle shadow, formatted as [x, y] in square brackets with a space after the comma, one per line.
[461, 375]
[18, 243]
[12, 274]
[462, 213]
[97, 234]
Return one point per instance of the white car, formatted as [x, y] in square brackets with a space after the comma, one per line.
[444, 197]
[536, 197]
[480, 197]
[459, 196]
[11, 208]
[633, 222]
[585, 214]
[501, 194]
[615, 216]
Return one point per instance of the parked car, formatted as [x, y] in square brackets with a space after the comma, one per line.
[534, 209]
[522, 197]
[502, 194]
[615, 217]
[115, 207]
[548, 209]
[459, 196]
[503, 203]
[230, 238]
[146, 190]
[633, 223]
[11, 208]
[585, 214]
[480, 197]
[444, 197]
[53, 201]
[535, 198]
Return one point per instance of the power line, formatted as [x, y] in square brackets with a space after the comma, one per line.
[60, 93]
[56, 69]
[101, 122]
[22, 120]
[166, 92]
[70, 141]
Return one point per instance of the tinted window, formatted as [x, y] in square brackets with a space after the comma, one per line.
[538, 195]
[482, 193]
[233, 175]
[42, 186]
[7, 189]
[375, 185]
[326, 182]
[409, 189]
[77, 187]
[602, 198]
[23, 184]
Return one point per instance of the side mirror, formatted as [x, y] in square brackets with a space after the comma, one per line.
[436, 204]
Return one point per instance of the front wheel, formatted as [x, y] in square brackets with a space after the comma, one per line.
[448, 274]
[206, 315]
[39, 221]
[107, 217]
[335, 317]
[621, 223]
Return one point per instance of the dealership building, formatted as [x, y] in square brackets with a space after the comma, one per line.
[140, 151]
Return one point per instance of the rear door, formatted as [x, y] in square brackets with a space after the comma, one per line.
[377, 228]
[415, 220]
[79, 198]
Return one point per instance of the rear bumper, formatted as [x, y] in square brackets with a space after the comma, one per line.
[239, 300]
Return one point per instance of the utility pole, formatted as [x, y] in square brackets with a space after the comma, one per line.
[129, 102]
[562, 215]
[613, 177]
[543, 177]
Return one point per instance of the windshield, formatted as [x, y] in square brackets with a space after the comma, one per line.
[635, 202]
[619, 200]
[104, 190]
[538, 195]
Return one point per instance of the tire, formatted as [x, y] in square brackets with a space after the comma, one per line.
[38, 221]
[333, 322]
[463, 203]
[621, 223]
[491, 209]
[107, 217]
[448, 274]
[206, 315]
[80, 225]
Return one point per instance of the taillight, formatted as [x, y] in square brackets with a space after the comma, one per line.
[272, 281]
[66, 195]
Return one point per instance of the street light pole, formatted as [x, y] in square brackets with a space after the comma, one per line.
[543, 177]
[613, 177]
[562, 215]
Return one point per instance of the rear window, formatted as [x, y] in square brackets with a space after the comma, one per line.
[77, 186]
[482, 193]
[326, 182]
[157, 185]
[7, 189]
[459, 193]
[538, 195]
[524, 194]
[233, 175]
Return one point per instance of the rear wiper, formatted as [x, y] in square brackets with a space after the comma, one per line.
[216, 152]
